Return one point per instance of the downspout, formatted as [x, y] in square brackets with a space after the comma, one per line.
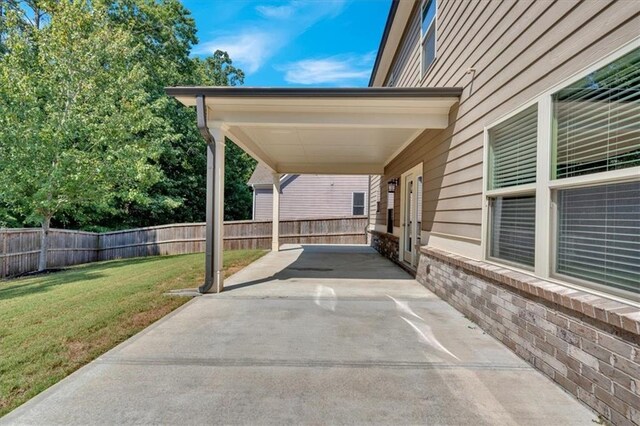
[253, 205]
[201, 111]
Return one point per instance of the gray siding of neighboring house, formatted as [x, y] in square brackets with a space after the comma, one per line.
[519, 49]
[312, 196]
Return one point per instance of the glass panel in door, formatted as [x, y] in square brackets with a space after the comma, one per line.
[409, 219]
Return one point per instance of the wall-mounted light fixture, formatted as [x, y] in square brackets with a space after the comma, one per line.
[393, 183]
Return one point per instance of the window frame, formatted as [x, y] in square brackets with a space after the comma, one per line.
[546, 188]
[433, 26]
[364, 203]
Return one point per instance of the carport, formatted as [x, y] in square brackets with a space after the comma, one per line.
[304, 130]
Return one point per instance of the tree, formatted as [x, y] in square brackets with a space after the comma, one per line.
[166, 31]
[79, 129]
[153, 38]
[218, 70]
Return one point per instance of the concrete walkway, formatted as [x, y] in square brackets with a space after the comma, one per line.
[320, 335]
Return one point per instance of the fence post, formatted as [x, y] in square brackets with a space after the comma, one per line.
[3, 266]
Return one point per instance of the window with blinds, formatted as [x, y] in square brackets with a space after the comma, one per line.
[599, 234]
[358, 204]
[598, 120]
[512, 235]
[513, 150]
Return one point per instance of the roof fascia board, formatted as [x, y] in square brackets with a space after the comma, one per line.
[399, 15]
[212, 92]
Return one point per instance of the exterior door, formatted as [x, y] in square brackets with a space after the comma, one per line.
[411, 190]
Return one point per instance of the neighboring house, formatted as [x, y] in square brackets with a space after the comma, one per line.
[508, 133]
[309, 196]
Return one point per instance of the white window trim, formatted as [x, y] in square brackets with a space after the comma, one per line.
[364, 205]
[423, 35]
[545, 189]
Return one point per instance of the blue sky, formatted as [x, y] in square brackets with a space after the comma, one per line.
[293, 42]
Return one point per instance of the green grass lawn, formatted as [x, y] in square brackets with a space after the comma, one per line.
[50, 325]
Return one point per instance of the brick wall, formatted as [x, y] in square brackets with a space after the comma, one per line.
[586, 344]
[387, 245]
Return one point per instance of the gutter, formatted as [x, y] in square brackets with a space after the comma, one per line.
[304, 92]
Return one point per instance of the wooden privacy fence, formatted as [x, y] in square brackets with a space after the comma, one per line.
[20, 248]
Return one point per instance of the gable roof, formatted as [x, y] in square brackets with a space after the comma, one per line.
[397, 21]
[261, 176]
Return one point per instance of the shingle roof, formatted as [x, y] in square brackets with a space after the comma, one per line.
[261, 176]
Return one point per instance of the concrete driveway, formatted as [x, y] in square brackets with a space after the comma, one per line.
[313, 335]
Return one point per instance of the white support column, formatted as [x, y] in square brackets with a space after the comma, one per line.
[218, 210]
[275, 241]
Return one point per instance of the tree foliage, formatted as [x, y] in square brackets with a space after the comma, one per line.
[88, 138]
[79, 127]
[156, 164]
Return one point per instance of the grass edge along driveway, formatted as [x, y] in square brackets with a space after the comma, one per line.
[51, 325]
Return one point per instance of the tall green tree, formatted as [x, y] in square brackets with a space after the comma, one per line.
[154, 38]
[79, 129]
[166, 31]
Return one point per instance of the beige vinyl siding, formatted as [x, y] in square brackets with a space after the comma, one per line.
[518, 50]
[312, 196]
[374, 197]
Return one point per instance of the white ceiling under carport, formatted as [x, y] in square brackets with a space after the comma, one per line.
[337, 131]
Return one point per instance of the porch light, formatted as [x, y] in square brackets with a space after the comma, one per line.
[393, 183]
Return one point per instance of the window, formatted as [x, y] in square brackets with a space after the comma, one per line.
[513, 229]
[597, 132]
[513, 150]
[358, 204]
[597, 120]
[428, 34]
[576, 215]
[512, 168]
[599, 234]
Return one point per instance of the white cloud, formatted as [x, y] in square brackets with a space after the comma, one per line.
[249, 50]
[277, 12]
[251, 45]
[339, 70]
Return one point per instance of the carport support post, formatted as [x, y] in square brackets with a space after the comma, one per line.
[275, 233]
[214, 274]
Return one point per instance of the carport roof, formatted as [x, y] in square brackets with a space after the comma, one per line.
[323, 130]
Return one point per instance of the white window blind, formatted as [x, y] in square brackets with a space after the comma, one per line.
[513, 229]
[513, 150]
[599, 234]
[598, 120]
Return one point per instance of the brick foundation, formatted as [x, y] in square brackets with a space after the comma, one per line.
[587, 344]
[387, 245]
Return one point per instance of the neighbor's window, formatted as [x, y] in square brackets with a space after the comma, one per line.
[428, 34]
[358, 204]
[598, 131]
[512, 170]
